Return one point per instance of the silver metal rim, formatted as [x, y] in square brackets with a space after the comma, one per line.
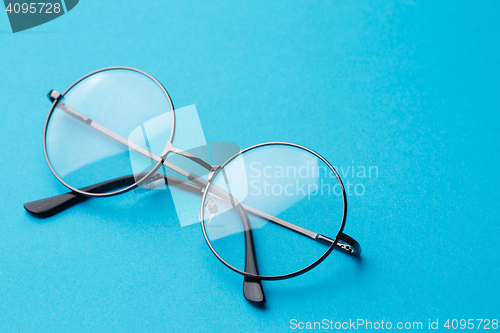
[299, 272]
[131, 187]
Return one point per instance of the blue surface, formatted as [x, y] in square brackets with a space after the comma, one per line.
[409, 87]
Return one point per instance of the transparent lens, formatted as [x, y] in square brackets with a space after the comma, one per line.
[87, 134]
[282, 196]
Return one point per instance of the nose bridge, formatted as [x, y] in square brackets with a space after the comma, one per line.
[213, 171]
[167, 150]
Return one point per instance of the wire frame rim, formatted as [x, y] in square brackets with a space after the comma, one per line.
[54, 104]
[303, 270]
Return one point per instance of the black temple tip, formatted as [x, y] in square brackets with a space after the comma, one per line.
[252, 289]
[51, 206]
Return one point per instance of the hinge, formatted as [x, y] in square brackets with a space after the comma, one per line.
[54, 95]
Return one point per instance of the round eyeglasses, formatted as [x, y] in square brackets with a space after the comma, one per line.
[272, 211]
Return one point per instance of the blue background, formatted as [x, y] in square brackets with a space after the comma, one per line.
[409, 87]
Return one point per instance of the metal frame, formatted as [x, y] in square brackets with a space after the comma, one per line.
[252, 286]
[299, 272]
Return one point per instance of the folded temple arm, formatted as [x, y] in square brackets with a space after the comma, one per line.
[53, 205]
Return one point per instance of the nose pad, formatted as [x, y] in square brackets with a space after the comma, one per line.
[156, 181]
[212, 208]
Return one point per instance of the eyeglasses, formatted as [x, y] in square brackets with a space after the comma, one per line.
[277, 204]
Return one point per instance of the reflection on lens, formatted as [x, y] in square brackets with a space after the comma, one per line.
[281, 181]
[87, 133]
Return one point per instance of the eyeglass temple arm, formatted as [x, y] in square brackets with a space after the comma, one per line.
[252, 288]
[53, 95]
[50, 206]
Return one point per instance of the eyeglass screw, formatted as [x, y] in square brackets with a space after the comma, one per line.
[212, 208]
